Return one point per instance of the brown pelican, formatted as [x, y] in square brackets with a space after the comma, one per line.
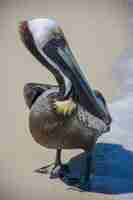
[67, 116]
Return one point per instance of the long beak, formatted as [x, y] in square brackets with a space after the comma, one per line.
[57, 51]
[64, 58]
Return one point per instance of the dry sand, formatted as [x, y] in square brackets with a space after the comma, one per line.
[97, 32]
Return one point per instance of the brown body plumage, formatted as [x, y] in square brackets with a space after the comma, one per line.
[51, 129]
[70, 115]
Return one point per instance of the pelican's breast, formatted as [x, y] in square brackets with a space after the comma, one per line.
[51, 130]
[43, 121]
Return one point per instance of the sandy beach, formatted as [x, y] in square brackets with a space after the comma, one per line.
[98, 34]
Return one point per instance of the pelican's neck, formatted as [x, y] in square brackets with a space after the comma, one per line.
[64, 82]
[65, 85]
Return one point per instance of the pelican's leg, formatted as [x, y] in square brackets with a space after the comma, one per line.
[86, 177]
[57, 163]
[84, 181]
[59, 169]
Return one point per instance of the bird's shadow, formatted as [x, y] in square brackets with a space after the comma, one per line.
[114, 169]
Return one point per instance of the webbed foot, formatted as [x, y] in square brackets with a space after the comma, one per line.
[56, 172]
[60, 171]
[45, 169]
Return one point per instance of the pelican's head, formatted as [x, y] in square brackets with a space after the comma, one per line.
[45, 40]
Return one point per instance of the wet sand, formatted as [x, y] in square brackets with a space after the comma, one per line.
[97, 33]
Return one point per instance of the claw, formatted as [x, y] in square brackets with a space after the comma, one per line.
[44, 170]
[60, 171]
[65, 107]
